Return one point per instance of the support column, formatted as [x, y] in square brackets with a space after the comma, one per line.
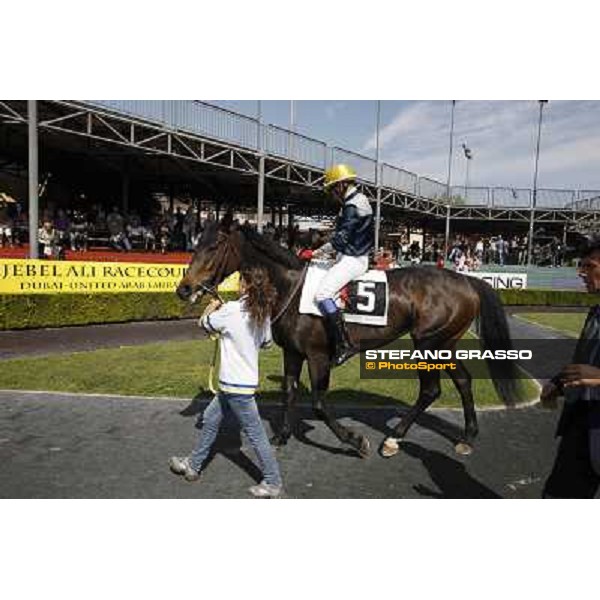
[125, 192]
[260, 209]
[33, 178]
[171, 198]
[377, 218]
[447, 236]
[531, 230]
[290, 226]
[261, 194]
[377, 180]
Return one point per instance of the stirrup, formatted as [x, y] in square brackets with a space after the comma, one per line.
[340, 359]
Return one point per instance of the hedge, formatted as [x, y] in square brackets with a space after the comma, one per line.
[56, 310]
[555, 298]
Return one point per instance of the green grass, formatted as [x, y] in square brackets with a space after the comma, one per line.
[569, 323]
[180, 369]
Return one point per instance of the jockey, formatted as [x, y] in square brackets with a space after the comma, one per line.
[353, 239]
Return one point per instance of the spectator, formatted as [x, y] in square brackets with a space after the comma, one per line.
[48, 237]
[135, 230]
[150, 234]
[522, 249]
[115, 222]
[79, 232]
[415, 253]
[505, 252]
[479, 250]
[164, 234]
[7, 220]
[190, 223]
[576, 470]
[500, 250]
[178, 238]
[384, 260]
[62, 227]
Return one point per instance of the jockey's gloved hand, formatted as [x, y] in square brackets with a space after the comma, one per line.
[326, 250]
[305, 254]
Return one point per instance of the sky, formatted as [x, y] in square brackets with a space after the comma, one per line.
[415, 135]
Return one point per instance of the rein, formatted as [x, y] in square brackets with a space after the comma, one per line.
[292, 295]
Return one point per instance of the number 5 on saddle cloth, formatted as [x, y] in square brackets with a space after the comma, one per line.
[364, 300]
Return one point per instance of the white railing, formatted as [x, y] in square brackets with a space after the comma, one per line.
[212, 121]
[364, 166]
[293, 146]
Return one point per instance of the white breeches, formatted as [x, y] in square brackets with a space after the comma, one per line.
[345, 269]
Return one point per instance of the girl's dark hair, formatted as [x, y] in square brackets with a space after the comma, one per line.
[261, 294]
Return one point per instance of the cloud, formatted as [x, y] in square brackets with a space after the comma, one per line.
[502, 136]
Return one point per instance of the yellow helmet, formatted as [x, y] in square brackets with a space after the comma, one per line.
[338, 173]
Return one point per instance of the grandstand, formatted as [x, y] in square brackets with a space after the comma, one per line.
[150, 157]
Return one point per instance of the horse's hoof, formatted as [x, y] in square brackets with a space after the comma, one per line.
[463, 449]
[390, 447]
[365, 447]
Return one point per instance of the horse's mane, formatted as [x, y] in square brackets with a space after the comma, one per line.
[269, 247]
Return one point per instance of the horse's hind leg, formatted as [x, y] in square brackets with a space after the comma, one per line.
[429, 391]
[462, 380]
[320, 370]
[292, 368]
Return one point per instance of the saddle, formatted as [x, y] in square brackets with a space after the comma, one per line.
[363, 301]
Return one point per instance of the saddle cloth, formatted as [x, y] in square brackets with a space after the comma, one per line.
[364, 300]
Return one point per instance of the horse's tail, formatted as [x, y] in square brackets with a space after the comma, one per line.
[495, 335]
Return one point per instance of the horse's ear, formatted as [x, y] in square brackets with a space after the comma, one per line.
[227, 220]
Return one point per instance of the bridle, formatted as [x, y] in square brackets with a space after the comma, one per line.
[211, 290]
[218, 276]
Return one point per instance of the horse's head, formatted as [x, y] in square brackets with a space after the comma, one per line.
[217, 256]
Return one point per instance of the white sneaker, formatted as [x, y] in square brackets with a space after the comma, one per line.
[182, 466]
[266, 490]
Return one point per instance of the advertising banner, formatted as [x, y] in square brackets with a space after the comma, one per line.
[502, 281]
[25, 276]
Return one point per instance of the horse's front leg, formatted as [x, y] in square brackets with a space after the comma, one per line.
[319, 369]
[292, 368]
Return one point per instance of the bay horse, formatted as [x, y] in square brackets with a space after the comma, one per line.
[435, 306]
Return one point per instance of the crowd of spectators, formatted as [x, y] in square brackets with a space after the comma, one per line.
[179, 230]
[79, 230]
[471, 252]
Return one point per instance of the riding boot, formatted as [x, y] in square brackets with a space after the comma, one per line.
[342, 347]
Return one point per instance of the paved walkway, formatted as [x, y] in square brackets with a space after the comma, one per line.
[58, 445]
[38, 342]
[61, 446]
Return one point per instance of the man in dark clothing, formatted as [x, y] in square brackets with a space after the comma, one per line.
[576, 470]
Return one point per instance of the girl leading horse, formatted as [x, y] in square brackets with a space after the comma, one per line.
[435, 306]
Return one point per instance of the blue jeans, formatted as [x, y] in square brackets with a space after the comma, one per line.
[246, 412]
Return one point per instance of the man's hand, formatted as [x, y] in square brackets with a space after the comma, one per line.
[549, 395]
[580, 375]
